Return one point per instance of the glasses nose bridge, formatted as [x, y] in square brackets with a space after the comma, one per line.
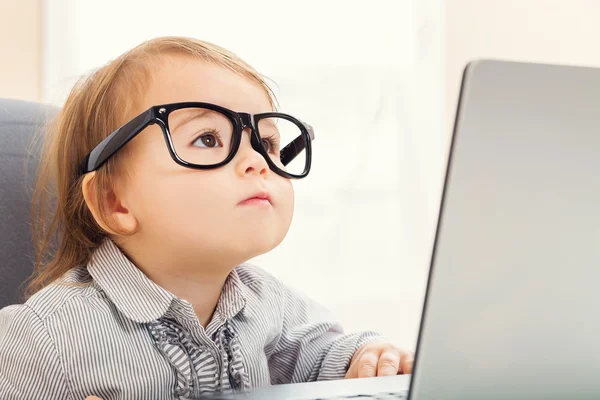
[247, 120]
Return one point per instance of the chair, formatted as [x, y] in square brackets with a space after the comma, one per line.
[19, 122]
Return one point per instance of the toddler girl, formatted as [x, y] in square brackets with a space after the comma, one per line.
[171, 169]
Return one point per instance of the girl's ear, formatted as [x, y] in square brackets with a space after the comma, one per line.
[110, 212]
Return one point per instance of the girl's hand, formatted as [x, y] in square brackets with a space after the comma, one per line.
[380, 359]
[372, 359]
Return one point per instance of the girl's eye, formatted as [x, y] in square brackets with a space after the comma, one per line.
[270, 145]
[207, 140]
[266, 144]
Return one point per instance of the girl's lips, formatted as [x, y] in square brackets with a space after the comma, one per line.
[255, 202]
[261, 198]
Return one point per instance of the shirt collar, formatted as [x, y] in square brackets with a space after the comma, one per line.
[140, 299]
[233, 297]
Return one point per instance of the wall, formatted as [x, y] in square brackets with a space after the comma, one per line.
[21, 49]
[365, 218]
[368, 79]
[549, 31]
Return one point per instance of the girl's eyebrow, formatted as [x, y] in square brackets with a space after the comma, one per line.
[272, 127]
[187, 117]
[269, 121]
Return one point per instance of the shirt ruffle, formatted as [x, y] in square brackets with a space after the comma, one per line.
[217, 366]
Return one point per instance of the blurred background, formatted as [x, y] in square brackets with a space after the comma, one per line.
[379, 83]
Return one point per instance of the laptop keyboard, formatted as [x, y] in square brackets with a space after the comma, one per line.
[377, 396]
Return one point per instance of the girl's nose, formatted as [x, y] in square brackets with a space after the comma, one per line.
[250, 161]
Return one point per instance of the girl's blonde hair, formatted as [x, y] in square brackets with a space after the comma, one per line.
[64, 230]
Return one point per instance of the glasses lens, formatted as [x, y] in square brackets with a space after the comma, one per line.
[284, 142]
[201, 136]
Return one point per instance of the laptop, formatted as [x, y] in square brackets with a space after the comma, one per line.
[513, 301]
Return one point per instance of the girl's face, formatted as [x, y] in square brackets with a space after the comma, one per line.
[202, 215]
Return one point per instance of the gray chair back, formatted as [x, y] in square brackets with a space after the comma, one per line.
[19, 122]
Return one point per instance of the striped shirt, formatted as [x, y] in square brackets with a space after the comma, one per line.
[107, 330]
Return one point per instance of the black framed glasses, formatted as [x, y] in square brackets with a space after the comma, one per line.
[208, 136]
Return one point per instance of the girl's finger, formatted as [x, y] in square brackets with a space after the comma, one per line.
[367, 364]
[389, 363]
[406, 363]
